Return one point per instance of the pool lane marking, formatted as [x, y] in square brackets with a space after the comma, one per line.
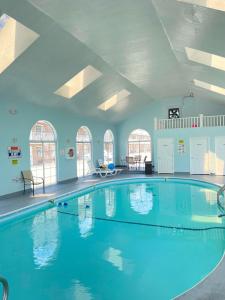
[147, 224]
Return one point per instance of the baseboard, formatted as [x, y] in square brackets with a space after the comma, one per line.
[68, 180]
[15, 194]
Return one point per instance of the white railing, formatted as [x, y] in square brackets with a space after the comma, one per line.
[190, 122]
[214, 121]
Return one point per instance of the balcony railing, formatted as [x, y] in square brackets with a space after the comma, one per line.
[190, 122]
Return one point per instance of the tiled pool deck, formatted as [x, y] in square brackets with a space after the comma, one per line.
[212, 288]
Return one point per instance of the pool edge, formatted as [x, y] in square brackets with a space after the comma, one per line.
[100, 184]
[212, 272]
[45, 204]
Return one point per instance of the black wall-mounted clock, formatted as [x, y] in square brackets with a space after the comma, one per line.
[174, 113]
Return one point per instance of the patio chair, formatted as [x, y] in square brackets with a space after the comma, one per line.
[112, 167]
[100, 163]
[103, 172]
[29, 179]
[137, 159]
[130, 161]
[144, 160]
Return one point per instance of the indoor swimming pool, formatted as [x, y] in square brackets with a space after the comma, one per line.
[125, 239]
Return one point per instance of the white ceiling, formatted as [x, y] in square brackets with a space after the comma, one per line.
[137, 45]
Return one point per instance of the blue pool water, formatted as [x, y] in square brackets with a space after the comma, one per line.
[102, 245]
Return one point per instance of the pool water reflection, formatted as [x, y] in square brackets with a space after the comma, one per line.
[85, 250]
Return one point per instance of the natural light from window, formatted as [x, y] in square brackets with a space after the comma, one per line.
[84, 150]
[15, 38]
[210, 87]
[43, 147]
[205, 58]
[114, 100]
[214, 4]
[108, 147]
[78, 82]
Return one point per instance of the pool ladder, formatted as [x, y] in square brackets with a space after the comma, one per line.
[219, 193]
[5, 285]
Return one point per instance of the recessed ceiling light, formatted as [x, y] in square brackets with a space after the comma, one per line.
[209, 87]
[214, 4]
[114, 100]
[78, 82]
[15, 38]
[206, 58]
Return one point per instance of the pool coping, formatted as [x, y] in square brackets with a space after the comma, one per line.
[98, 184]
[45, 203]
[185, 294]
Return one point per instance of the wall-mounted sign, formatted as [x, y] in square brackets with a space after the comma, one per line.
[14, 152]
[181, 149]
[15, 162]
[70, 153]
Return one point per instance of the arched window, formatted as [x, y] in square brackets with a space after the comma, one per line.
[84, 150]
[141, 199]
[110, 202]
[43, 151]
[139, 146]
[108, 147]
[46, 243]
[85, 211]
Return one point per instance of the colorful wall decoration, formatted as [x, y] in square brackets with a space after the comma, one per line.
[14, 152]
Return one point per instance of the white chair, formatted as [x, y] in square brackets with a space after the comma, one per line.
[137, 159]
[103, 172]
[29, 179]
[130, 162]
[100, 162]
[115, 171]
[98, 171]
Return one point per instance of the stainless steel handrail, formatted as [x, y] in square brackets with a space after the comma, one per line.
[219, 193]
[5, 284]
[222, 189]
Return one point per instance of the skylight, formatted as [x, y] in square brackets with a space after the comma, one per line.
[214, 4]
[206, 58]
[114, 100]
[78, 82]
[15, 38]
[210, 87]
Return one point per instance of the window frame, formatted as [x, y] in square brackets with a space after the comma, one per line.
[107, 142]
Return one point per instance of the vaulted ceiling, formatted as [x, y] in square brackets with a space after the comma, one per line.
[138, 46]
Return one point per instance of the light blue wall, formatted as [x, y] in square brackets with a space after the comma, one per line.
[67, 123]
[159, 109]
[18, 126]
[182, 161]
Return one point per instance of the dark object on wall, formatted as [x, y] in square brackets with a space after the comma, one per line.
[148, 168]
[174, 113]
